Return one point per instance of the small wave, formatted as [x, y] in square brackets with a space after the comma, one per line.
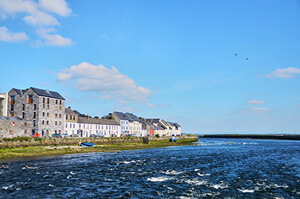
[171, 172]
[197, 182]
[72, 173]
[127, 162]
[203, 174]
[158, 179]
[219, 186]
[246, 190]
[7, 187]
[51, 185]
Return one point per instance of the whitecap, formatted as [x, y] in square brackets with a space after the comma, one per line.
[72, 173]
[127, 162]
[171, 172]
[219, 186]
[50, 185]
[196, 169]
[197, 182]
[158, 179]
[246, 190]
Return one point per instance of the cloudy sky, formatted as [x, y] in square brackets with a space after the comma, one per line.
[212, 66]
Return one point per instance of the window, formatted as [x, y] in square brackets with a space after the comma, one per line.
[25, 124]
[30, 99]
[60, 108]
[66, 125]
[47, 114]
[34, 107]
[47, 122]
[10, 132]
[73, 117]
[12, 99]
[55, 123]
[59, 115]
[34, 115]
[56, 101]
[43, 122]
[23, 115]
[70, 125]
[47, 106]
[43, 114]
[34, 124]
[55, 115]
[12, 107]
[59, 102]
[66, 117]
[25, 132]
[11, 114]
[43, 100]
[43, 105]
[74, 126]
[23, 107]
[48, 101]
[59, 123]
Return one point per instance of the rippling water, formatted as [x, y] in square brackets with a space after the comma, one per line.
[215, 168]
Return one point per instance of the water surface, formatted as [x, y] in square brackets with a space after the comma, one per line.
[214, 168]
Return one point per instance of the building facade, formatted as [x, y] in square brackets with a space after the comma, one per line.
[14, 127]
[45, 109]
[3, 104]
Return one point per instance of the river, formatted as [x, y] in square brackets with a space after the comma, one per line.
[212, 168]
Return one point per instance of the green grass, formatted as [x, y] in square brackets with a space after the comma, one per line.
[30, 151]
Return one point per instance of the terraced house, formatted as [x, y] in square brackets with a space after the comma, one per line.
[45, 109]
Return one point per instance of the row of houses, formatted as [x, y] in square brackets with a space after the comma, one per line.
[37, 112]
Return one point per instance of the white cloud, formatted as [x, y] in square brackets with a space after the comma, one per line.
[110, 83]
[59, 7]
[5, 35]
[255, 101]
[284, 73]
[40, 16]
[53, 39]
[259, 109]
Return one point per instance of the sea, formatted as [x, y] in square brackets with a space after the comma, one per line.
[210, 168]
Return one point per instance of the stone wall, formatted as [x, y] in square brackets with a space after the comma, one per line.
[13, 127]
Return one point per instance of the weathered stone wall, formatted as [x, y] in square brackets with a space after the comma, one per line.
[11, 128]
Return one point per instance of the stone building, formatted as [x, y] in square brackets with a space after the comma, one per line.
[45, 109]
[13, 127]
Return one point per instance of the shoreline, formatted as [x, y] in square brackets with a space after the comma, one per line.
[246, 136]
[18, 153]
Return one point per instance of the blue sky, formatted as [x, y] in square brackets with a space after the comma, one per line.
[212, 66]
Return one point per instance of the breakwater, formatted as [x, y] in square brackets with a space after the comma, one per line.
[273, 137]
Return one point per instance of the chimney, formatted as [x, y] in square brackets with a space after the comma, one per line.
[69, 107]
[96, 117]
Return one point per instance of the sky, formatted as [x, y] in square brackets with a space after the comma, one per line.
[212, 66]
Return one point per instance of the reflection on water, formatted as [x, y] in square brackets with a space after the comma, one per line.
[219, 168]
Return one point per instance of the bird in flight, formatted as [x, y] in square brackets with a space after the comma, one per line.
[235, 54]
[246, 58]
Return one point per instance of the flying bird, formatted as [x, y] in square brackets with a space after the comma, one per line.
[246, 58]
[235, 54]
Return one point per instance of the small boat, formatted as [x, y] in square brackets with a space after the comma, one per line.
[87, 144]
[173, 139]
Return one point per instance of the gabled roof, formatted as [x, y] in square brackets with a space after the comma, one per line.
[90, 120]
[78, 113]
[177, 125]
[151, 121]
[122, 116]
[47, 93]
[133, 117]
[19, 91]
[41, 92]
[68, 111]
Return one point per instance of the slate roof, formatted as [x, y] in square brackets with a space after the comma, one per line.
[47, 93]
[122, 116]
[151, 121]
[133, 117]
[90, 120]
[41, 92]
[177, 125]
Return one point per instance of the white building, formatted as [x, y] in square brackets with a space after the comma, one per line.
[88, 126]
[123, 120]
[3, 104]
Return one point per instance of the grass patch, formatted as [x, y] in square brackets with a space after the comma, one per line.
[7, 153]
